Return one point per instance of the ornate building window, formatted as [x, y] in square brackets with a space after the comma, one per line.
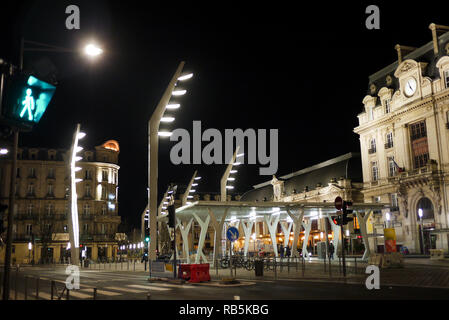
[30, 191]
[30, 209]
[86, 209]
[87, 190]
[31, 172]
[387, 105]
[420, 149]
[49, 209]
[372, 146]
[374, 171]
[50, 189]
[389, 138]
[104, 175]
[104, 210]
[51, 173]
[391, 167]
[446, 78]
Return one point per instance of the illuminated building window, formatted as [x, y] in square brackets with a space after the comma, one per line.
[86, 209]
[51, 173]
[104, 173]
[374, 171]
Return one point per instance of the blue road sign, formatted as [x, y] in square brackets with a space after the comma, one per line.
[232, 234]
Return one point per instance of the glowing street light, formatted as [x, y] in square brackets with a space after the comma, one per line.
[4, 151]
[73, 197]
[153, 141]
[420, 214]
[92, 50]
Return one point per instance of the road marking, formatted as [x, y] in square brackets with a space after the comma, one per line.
[148, 287]
[79, 294]
[108, 293]
[126, 290]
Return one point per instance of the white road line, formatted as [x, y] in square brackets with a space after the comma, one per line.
[78, 294]
[108, 293]
[126, 290]
[148, 287]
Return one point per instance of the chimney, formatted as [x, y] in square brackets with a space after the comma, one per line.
[402, 50]
[436, 28]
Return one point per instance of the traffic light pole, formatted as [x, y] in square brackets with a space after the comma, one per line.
[9, 234]
[343, 250]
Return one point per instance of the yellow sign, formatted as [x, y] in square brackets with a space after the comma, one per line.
[390, 240]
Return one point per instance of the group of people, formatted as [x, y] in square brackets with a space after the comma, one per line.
[284, 251]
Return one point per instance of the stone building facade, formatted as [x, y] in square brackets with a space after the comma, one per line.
[41, 207]
[404, 141]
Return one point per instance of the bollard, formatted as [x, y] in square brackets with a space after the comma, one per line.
[26, 287]
[52, 288]
[355, 265]
[339, 265]
[303, 266]
[37, 288]
[275, 269]
[134, 266]
[116, 262]
[216, 267]
[148, 296]
[330, 267]
[288, 264]
[68, 294]
[324, 260]
[95, 293]
[296, 260]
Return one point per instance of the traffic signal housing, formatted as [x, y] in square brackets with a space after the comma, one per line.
[25, 100]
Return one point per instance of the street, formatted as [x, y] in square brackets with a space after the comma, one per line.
[122, 285]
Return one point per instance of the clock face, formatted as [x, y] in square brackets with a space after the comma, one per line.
[410, 87]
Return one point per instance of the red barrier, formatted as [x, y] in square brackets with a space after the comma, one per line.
[194, 272]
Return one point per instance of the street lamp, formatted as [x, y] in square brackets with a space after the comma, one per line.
[153, 134]
[73, 197]
[226, 176]
[92, 50]
[420, 214]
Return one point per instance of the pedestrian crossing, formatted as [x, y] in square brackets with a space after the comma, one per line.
[86, 292]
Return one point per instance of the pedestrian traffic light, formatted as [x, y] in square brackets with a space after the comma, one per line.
[147, 239]
[337, 220]
[25, 99]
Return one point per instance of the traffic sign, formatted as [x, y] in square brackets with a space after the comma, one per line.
[232, 234]
[338, 203]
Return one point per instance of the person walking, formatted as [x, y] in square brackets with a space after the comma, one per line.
[331, 250]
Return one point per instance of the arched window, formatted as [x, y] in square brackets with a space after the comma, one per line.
[427, 209]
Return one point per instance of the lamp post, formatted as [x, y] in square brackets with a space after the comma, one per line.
[73, 220]
[420, 214]
[153, 133]
[227, 173]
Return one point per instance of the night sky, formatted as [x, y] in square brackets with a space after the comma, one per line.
[300, 69]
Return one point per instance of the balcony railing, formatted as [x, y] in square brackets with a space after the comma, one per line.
[371, 151]
[388, 145]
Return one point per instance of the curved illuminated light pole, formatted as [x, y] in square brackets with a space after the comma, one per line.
[189, 189]
[153, 133]
[73, 198]
[226, 178]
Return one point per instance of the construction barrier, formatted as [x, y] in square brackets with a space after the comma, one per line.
[194, 272]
